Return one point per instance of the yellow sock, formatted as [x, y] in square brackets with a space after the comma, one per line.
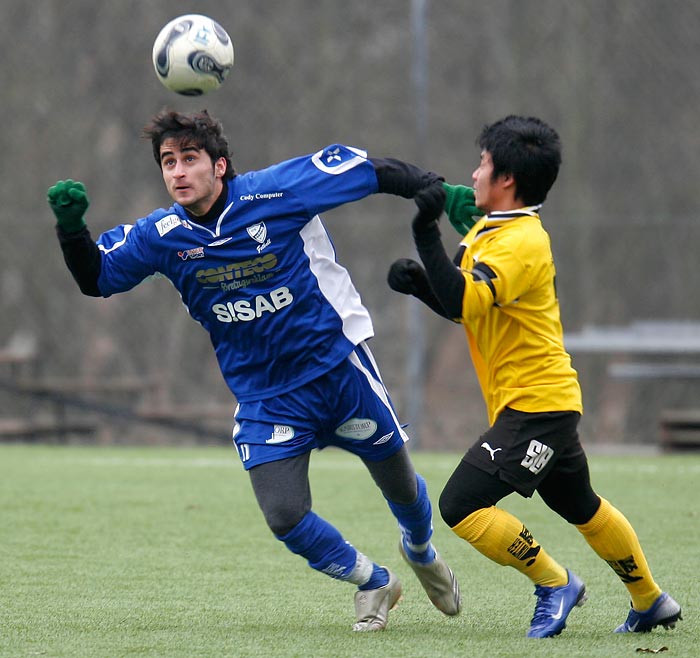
[613, 538]
[501, 537]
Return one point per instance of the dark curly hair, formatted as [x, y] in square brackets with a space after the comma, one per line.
[198, 129]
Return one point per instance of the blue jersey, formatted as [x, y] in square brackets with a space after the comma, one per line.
[263, 279]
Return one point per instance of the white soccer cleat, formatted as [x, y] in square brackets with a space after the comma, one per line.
[438, 581]
[372, 606]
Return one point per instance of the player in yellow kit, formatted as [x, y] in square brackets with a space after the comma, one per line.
[501, 287]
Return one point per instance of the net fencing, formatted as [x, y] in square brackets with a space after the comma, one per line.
[412, 80]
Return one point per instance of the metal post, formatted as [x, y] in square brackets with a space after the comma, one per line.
[415, 366]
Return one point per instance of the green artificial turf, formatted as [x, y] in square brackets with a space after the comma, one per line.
[115, 551]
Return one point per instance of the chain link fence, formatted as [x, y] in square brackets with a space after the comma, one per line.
[617, 79]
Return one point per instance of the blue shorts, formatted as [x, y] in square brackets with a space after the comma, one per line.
[347, 407]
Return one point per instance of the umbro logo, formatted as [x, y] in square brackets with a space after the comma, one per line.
[383, 439]
[218, 243]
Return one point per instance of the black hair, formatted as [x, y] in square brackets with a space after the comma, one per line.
[527, 149]
[198, 129]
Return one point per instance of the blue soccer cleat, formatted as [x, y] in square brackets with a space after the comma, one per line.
[665, 612]
[554, 605]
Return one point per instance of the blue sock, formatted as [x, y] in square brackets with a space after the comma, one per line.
[326, 551]
[416, 523]
[379, 578]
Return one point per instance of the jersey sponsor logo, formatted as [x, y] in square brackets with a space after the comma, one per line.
[259, 233]
[244, 310]
[191, 254]
[167, 224]
[538, 454]
[357, 428]
[281, 433]
[238, 284]
[338, 159]
[213, 277]
[261, 196]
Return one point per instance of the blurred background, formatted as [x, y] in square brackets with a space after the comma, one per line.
[409, 79]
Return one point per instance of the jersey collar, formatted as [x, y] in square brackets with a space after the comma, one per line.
[530, 211]
[211, 221]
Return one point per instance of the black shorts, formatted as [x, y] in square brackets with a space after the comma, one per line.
[524, 448]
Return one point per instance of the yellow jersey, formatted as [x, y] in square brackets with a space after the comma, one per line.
[511, 315]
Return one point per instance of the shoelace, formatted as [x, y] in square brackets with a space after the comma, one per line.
[543, 607]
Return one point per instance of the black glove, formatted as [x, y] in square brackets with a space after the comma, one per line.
[431, 202]
[406, 276]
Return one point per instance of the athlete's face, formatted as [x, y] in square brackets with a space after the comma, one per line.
[492, 194]
[190, 176]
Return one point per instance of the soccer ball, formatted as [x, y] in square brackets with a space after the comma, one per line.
[192, 55]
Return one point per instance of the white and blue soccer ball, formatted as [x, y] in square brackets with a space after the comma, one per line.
[192, 55]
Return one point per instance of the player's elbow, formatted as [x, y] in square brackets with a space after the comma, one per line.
[89, 288]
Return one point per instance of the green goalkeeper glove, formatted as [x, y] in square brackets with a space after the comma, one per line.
[460, 207]
[69, 201]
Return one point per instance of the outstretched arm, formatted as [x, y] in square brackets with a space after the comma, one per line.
[401, 178]
[68, 200]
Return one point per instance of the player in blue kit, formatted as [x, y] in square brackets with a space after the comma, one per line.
[256, 268]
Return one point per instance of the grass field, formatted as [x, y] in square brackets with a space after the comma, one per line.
[110, 552]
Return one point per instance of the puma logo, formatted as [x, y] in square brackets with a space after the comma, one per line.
[492, 451]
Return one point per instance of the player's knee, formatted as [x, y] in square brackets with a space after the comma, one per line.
[575, 507]
[583, 510]
[282, 518]
[455, 508]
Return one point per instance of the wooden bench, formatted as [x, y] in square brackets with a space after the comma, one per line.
[49, 401]
[58, 407]
[680, 429]
[27, 429]
[213, 421]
